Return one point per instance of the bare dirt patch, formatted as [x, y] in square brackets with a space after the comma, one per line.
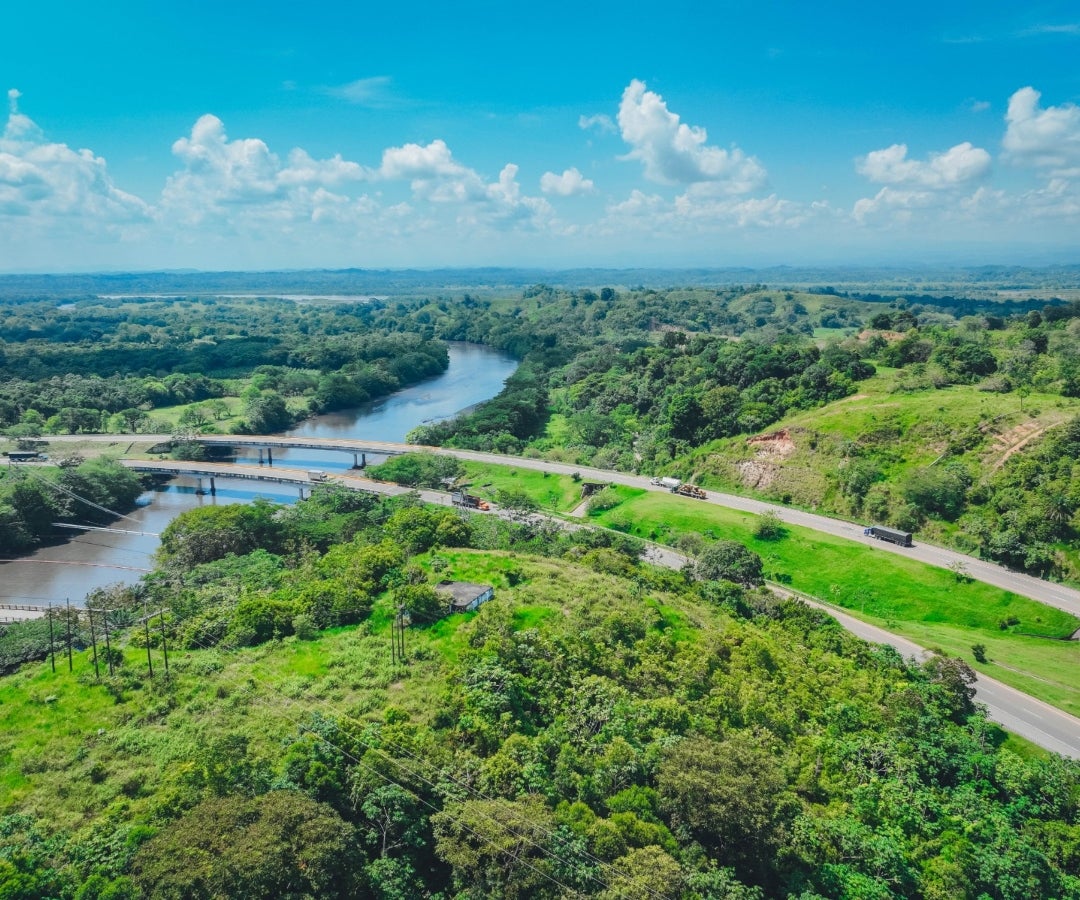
[777, 445]
[868, 333]
[1014, 440]
[581, 509]
[770, 450]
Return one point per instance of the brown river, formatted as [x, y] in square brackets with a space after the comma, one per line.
[69, 570]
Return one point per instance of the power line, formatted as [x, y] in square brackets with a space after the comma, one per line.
[72, 562]
[439, 773]
[107, 530]
[72, 494]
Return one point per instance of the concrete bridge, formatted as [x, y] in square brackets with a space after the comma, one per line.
[358, 448]
[300, 477]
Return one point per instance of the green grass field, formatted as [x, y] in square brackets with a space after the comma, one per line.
[558, 492]
[87, 746]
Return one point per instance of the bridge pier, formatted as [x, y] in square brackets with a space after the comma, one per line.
[270, 456]
[213, 487]
[198, 486]
[359, 460]
[260, 456]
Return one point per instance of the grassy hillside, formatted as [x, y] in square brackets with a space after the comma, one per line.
[899, 430]
[599, 733]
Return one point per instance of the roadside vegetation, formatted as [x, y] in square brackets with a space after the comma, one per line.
[601, 727]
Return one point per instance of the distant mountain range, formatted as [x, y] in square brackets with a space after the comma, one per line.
[402, 282]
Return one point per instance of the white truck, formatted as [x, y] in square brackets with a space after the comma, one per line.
[316, 475]
[672, 484]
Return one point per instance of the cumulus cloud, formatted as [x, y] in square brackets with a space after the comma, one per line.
[702, 202]
[673, 152]
[422, 163]
[221, 176]
[568, 184]
[955, 166]
[45, 183]
[899, 205]
[940, 183]
[703, 209]
[1047, 138]
[435, 176]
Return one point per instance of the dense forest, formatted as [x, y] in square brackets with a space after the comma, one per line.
[601, 728]
[101, 365]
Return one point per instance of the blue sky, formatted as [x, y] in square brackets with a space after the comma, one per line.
[249, 136]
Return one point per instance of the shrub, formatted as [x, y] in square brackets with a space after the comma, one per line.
[769, 527]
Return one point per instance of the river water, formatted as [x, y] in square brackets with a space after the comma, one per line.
[95, 559]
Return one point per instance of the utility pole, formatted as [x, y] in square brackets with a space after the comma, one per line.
[93, 641]
[164, 644]
[146, 625]
[108, 646]
[52, 646]
[67, 604]
[401, 618]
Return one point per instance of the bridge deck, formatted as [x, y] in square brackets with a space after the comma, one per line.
[345, 445]
[276, 474]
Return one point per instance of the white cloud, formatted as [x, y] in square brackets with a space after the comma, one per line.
[673, 152]
[703, 209]
[1064, 28]
[599, 122]
[703, 203]
[955, 166]
[421, 163]
[570, 183]
[899, 205]
[50, 185]
[435, 176]
[935, 188]
[223, 177]
[1046, 138]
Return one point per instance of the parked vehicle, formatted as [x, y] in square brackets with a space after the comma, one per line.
[892, 535]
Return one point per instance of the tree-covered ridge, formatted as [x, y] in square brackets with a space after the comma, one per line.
[600, 729]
